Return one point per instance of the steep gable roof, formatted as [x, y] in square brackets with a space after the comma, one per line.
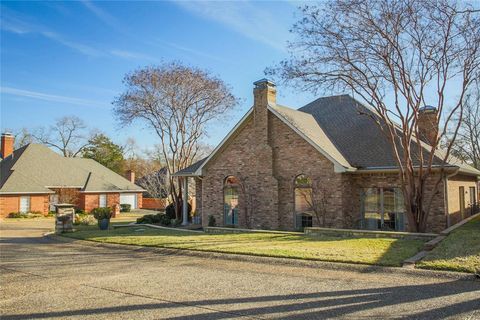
[349, 126]
[341, 128]
[34, 168]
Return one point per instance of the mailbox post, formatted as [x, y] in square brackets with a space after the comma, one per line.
[64, 217]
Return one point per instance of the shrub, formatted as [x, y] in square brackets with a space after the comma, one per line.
[17, 215]
[125, 207]
[23, 215]
[84, 219]
[155, 218]
[80, 211]
[170, 211]
[211, 221]
[102, 213]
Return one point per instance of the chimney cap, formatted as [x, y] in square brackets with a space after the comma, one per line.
[427, 109]
[7, 134]
[264, 82]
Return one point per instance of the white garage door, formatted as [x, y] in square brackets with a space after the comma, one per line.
[129, 198]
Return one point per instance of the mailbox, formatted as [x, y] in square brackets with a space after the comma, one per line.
[64, 217]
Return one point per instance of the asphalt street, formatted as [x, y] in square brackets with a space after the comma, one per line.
[43, 278]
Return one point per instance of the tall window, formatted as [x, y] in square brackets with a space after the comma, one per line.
[461, 198]
[303, 202]
[24, 204]
[383, 209]
[102, 200]
[230, 200]
[473, 201]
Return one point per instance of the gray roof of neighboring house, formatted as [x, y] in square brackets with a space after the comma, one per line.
[190, 169]
[342, 127]
[34, 167]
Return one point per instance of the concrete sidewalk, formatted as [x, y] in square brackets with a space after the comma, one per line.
[46, 279]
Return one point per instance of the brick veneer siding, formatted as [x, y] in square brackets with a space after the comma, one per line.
[453, 184]
[267, 194]
[266, 155]
[153, 203]
[90, 201]
[357, 182]
[11, 203]
[291, 155]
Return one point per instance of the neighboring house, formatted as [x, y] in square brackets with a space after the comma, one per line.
[260, 173]
[35, 178]
[155, 185]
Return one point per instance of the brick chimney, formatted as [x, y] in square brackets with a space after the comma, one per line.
[6, 146]
[130, 175]
[264, 93]
[427, 124]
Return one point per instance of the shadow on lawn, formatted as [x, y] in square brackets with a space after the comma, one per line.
[318, 305]
[285, 246]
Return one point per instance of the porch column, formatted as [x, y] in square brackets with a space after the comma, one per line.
[185, 201]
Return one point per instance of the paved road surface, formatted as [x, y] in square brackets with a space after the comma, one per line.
[45, 279]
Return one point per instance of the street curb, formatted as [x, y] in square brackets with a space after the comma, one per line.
[336, 266]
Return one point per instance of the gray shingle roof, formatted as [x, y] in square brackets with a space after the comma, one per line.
[34, 168]
[190, 169]
[349, 126]
[347, 132]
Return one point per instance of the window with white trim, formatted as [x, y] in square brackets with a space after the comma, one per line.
[102, 200]
[24, 204]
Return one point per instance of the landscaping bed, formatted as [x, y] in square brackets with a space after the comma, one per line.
[377, 251]
[460, 251]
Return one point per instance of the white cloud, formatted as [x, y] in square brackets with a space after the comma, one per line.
[101, 14]
[188, 50]
[51, 97]
[133, 55]
[244, 17]
[12, 22]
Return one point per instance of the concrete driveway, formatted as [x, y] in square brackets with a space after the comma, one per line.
[46, 279]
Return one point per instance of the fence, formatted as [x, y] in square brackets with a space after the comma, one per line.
[154, 203]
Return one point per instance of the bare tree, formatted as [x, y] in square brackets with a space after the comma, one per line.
[176, 101]
[316, 200]
[467, 144]
[156, 182]
[413, 51]
[68, 135]
[23, 137]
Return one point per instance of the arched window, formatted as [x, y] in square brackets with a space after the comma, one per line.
[303, 202]
[230, 200]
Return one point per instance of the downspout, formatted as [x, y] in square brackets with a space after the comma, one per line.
[445, 193]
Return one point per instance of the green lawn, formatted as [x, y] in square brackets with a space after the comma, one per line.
[380, 251]
[460, 251]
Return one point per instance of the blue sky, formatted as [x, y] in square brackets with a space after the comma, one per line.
[65, 58]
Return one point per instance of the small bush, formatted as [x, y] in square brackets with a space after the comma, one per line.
[80, 211]
[25, 215]
[158, 218]
[84, 219]
[170, 211]
[17, 215]
[125, 207]
[211, 221]
[102, 213]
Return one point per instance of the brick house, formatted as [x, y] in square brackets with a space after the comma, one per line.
[34, 178]
[276, 160]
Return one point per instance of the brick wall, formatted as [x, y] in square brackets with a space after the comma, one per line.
[357, 182]
[153, 203]
[11, 203]
[454, 183]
